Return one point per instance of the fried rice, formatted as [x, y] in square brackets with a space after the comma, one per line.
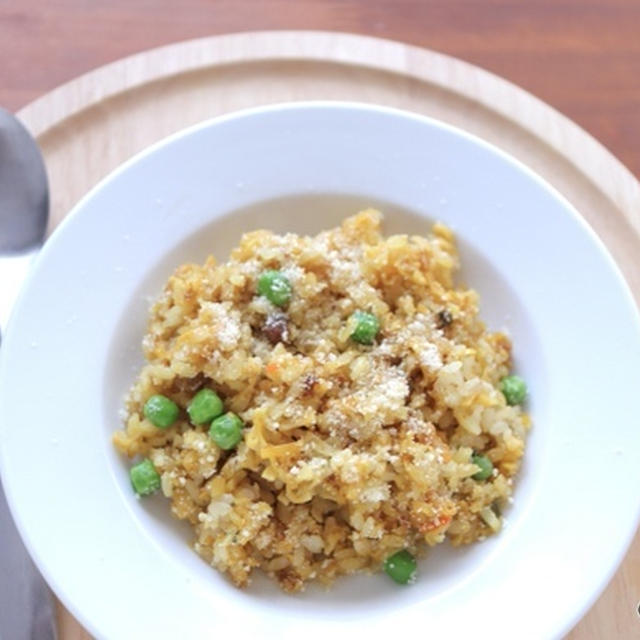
[349, 452]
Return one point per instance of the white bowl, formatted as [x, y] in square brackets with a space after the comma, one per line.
[124, 567]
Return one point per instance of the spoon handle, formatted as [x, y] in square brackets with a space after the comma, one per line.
[26, 608]
[13, 271]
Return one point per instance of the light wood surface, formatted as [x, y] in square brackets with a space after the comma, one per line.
[89, 126]
[581, 56]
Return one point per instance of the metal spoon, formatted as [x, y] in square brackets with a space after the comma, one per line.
[26, 608]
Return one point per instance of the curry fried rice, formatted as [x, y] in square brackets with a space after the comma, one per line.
[351, 449]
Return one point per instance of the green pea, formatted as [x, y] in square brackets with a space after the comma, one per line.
[514, 389]
[484, 464]
[401, 567]
[275, 287]
[205, 406]
[226, 430]
[366, 327]
[161, 411]
[144, 478]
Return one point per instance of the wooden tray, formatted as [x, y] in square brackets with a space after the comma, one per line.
[89, 126]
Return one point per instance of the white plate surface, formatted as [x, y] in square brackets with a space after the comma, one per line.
[124, 567]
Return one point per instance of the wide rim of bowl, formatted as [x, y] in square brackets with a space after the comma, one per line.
[632, 524]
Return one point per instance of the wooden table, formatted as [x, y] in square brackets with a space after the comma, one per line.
[581, 57]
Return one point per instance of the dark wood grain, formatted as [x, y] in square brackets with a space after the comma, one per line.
[581, 56]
